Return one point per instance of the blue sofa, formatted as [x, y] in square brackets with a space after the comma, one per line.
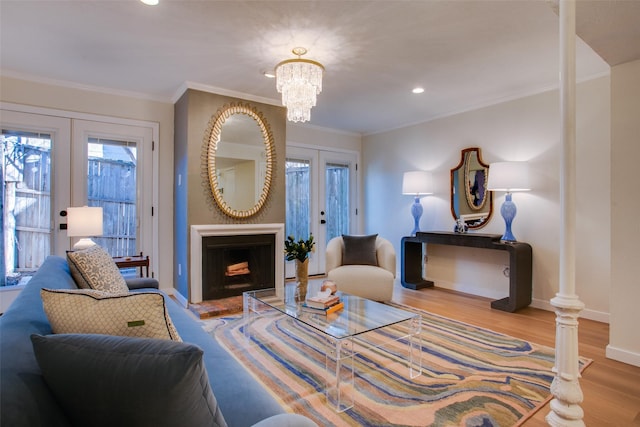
[26, 400]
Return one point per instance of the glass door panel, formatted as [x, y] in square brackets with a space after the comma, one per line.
[336, 200]
[298, 198]
[337, 196]
[111, 185]
[26, 160]
[301, 203]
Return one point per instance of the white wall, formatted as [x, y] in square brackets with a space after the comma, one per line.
[317, 137]
[526, 129]
[76, 99]
[624, 339]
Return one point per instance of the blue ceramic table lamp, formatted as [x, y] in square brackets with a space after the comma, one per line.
[416, 183]
[509, 177]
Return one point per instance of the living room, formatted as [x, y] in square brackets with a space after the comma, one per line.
[524, 126]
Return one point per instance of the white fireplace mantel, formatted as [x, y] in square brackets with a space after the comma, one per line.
[200, 231]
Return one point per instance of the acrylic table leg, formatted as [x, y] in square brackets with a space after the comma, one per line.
[415, 347]
[248, 313]
[339, 389]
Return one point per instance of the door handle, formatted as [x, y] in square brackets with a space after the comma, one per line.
[63, 213]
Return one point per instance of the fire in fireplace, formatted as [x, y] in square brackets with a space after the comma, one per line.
[233, 264]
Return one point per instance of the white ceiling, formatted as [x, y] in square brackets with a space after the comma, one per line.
[465, 53]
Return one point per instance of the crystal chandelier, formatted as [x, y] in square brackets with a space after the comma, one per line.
[299, 81]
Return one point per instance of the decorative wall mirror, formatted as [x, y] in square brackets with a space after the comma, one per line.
[470, 199]
[240, 160]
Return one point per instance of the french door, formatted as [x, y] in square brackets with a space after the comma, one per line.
[112, 170]
[35, 187]
[50, 163]
[321, 199]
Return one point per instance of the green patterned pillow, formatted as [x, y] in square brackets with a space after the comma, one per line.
[94, 268]
[88, 311]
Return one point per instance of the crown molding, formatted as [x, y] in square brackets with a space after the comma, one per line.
[222, 91]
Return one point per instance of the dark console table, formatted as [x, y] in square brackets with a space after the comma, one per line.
[520, 255]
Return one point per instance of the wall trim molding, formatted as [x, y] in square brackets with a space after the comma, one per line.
[622, 355]
[86, 87]
[489, 102]
[222, 91]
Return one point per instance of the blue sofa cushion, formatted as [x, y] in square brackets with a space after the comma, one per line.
[103, 380]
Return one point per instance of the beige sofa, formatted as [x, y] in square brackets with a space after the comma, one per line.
[367, 281]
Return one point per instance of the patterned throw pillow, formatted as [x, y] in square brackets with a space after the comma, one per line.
[94, 268]
[88, 311]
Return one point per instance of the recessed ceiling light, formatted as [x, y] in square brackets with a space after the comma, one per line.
[417, 90]
[269, 74]
[150, 2]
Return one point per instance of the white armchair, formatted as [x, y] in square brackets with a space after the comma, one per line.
[374, 282]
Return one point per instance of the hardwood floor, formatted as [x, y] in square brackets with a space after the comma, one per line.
[611, 389]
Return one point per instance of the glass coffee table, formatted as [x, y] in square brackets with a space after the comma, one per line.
[345, 331]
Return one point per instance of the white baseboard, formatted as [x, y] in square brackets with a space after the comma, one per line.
[622, 355]
[597, 316]
[178, 296]
[467, 289]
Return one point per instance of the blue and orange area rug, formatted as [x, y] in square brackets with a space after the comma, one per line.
[471, 377]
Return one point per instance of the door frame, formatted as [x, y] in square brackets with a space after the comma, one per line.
[82, 131]
[317, 154]
[60, 130]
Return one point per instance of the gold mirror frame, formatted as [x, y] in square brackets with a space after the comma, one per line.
[214, 137]
[478, 215]
[467, 181]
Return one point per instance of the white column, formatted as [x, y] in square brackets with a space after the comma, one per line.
[565, 408]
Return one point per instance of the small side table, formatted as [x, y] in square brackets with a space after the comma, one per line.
[140, 261]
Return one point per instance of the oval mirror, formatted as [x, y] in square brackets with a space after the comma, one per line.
[470, 199]
[240, 160]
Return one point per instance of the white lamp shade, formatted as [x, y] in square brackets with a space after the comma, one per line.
[509, 177]
[84, 221]
[417, 183]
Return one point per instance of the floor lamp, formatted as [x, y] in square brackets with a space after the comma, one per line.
[416, 183]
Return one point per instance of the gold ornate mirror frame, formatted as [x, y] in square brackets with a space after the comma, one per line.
[214, 138]
[469, 178]
[476, 214]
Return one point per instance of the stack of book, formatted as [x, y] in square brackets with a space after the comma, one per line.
[323, 304]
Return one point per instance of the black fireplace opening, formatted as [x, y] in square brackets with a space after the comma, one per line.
[232, 265]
